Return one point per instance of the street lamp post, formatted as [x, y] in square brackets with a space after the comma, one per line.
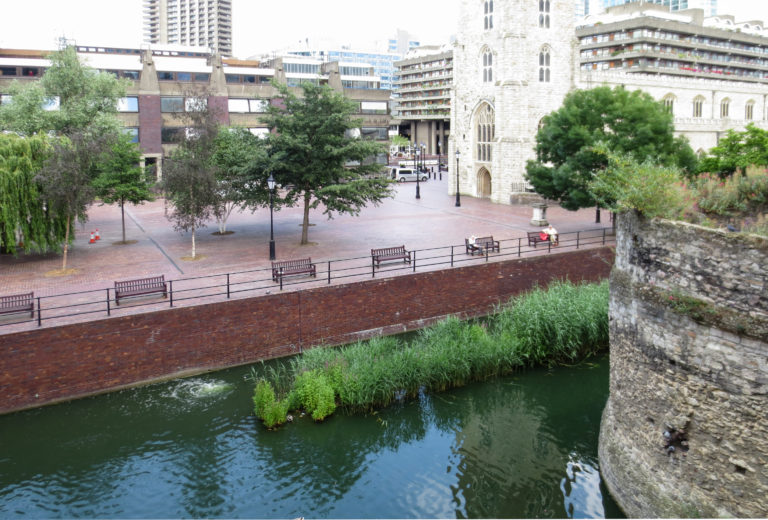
[418, 173]
[271, 185]
[458, 197]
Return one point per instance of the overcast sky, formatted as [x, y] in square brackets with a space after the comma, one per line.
[258, 26]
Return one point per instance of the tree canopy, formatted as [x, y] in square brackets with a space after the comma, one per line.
[79, 105]
[625, 122]
[736, 151]
[120, 178]
[315, 158]
[24, 216]
[189, 176]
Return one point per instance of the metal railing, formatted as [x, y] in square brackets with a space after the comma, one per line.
[71, 307]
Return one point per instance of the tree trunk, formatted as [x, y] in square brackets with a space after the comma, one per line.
[193, 242]
[66, 246]
[122, 213]
[597, 215]
[305, 223]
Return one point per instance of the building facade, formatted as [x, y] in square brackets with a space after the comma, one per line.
[512, 64]
[163, 79]
[515, 60]
[711, 78]
[422, 97]
[195, 23]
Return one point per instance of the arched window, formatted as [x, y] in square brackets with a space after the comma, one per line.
[669, 103]
[544, 13]
[749, 110]
[544, 66]
[487, 66]
[488, 12]
[485, 131]
[698, 106]
[724, 107]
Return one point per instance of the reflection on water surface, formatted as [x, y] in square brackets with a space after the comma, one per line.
[523, 446]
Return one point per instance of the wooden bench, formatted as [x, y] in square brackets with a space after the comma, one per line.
[140, 287]
[387, 254]
[15, 303]
[534, 237]
[481, 245]
[293, 267]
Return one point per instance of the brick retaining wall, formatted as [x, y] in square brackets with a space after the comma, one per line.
[59, 363]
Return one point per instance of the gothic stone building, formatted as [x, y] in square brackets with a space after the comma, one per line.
[513, 64]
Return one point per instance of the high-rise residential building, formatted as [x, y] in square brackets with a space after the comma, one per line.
[197, 23]
[422, 95]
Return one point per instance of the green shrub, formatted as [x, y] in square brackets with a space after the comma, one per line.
[267, 408]
[314, 393]
[626, 184]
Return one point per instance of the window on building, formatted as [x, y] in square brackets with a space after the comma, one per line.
[165, 76]
[698, 106]
[180, 104]
[724, 107]
[544, 74]
[375, 133]
[128, 104]
[133, 132]
[544, 13]
[485, 129]
[488, 12]
[749, 110]
[669, 103]
[373, 107]
[487, 66]
[171, 135]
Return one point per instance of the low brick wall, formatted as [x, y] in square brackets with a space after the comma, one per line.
[689, 353]
[59, 363]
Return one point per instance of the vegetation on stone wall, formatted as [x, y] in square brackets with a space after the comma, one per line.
[561, 324]
[738, 202]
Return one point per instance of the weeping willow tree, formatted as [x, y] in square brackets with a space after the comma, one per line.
[77, 107]
[25, 219]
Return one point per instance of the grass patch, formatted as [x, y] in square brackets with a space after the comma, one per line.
[561, 324]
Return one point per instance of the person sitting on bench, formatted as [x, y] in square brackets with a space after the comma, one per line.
[552, 234]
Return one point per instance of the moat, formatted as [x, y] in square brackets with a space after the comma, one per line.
[523, 446]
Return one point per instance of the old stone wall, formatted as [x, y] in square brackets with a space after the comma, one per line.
[685, 430]
[58, 363]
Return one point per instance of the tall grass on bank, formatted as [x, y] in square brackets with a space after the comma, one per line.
[560, 324]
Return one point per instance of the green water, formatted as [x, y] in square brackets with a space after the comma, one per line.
[523, 446]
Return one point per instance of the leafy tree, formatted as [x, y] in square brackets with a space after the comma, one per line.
[120, 177]
[189, 178]
[626, 184]
[315, 159]
[67, 175]
[84, 121]
[68, 98]
[234, 149]
[631, 123]
[737, 151]
[24, 216]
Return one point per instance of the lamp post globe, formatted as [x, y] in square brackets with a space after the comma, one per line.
[458, 196]
[271, 185]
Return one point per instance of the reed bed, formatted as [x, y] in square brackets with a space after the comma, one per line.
[561, 324]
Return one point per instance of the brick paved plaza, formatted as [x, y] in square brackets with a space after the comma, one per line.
[431, 221]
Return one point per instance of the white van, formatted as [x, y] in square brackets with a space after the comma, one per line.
[406, 174]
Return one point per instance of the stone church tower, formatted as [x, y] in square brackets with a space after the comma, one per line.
[513, 64]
